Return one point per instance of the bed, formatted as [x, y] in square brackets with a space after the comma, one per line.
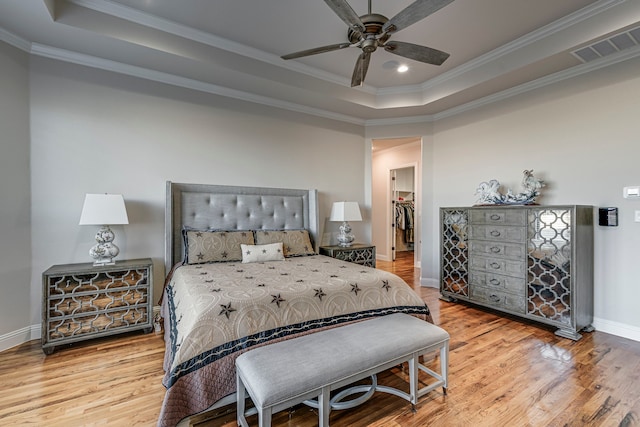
[243, 271]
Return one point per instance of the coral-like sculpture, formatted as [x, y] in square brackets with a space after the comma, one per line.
[489, 192]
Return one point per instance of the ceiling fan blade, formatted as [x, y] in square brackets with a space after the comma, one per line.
[346, 13]
[316, 50]
[417, 52]
[413, 13]
[360, 70]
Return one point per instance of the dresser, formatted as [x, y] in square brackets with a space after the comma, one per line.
[530, 261]
[83, 301]
[358, 253]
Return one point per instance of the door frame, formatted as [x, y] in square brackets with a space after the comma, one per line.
[390, 214]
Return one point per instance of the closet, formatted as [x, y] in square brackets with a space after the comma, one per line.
[403, 207]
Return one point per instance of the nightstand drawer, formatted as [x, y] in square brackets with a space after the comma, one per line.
[356, 253]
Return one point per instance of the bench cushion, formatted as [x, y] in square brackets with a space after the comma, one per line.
[279, 372]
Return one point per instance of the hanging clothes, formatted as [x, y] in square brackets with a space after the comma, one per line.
[404, 220]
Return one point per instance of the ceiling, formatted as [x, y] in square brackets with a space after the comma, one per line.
[233, 48]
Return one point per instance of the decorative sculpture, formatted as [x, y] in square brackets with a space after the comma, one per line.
[489, 192]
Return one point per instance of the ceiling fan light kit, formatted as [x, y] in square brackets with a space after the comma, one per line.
[371, 31]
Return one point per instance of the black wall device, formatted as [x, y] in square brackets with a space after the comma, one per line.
[608, 217]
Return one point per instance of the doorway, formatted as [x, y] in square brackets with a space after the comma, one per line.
[402, 212]
[398, 158]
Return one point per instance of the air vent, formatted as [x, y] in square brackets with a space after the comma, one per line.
[611, 45]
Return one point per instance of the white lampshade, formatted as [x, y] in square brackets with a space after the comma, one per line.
[345, 211]
[103, 209]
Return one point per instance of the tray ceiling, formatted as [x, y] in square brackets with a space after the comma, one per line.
[233, 48]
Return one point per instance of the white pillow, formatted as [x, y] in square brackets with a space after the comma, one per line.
[260, 253]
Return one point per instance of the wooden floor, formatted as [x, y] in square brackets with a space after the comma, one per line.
[503, 372]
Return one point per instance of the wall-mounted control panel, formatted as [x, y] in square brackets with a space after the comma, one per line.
[631, 192]
[608, 217]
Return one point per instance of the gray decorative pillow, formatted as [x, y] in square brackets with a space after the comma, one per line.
[203, 246]
[294, 242]
[260, 253]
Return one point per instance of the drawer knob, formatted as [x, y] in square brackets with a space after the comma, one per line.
[495, 217]
[495, 265]
[494, 281]
[495, 249]
[494, 298]
[495, 233]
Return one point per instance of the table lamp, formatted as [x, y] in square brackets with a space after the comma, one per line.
[345, 212]
[104, 210]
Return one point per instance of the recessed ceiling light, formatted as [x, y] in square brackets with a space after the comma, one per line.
[403, 68]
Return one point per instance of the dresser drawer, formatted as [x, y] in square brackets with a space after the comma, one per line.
[498, 299]
[497, 233]
[498, 282]
[498, 249]
[498, 216]
[498, 266]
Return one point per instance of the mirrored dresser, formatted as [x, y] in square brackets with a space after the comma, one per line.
[530, 261]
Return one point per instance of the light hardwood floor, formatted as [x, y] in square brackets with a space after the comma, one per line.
[503, 372]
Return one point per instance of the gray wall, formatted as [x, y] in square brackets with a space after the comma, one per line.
[95, 131]
[15, 233]
[581, 136]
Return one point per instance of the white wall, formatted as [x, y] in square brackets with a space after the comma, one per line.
[15, 234]
[95, 131]
[582, 137]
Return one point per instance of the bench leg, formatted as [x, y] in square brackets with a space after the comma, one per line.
[264, 417]
[413, 381]
[444, 364]
[324, 407]
[240, 402]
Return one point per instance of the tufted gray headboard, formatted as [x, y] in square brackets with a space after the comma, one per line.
[225, 207]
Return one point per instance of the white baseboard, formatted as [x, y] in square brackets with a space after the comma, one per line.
[602, 325]
[20, 336]
[616, 328]
[429, 283]
[33, 332]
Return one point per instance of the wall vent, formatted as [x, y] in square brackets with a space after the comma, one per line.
[608, 46]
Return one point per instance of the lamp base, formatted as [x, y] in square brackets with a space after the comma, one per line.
[104, 251]
[345, 238]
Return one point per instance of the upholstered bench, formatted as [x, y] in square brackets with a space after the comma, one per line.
[281, 375]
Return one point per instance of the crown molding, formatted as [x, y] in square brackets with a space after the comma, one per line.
[133, 15]
[527, 39]
[576, 71]
[559, 76]
[174, 80]
[14, 40]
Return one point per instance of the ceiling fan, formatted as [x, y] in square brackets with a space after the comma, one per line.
[371, 31]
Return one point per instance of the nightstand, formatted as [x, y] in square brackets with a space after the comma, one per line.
[83, 301]
[357, 253]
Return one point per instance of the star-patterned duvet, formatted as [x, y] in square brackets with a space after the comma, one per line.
[214, 312]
